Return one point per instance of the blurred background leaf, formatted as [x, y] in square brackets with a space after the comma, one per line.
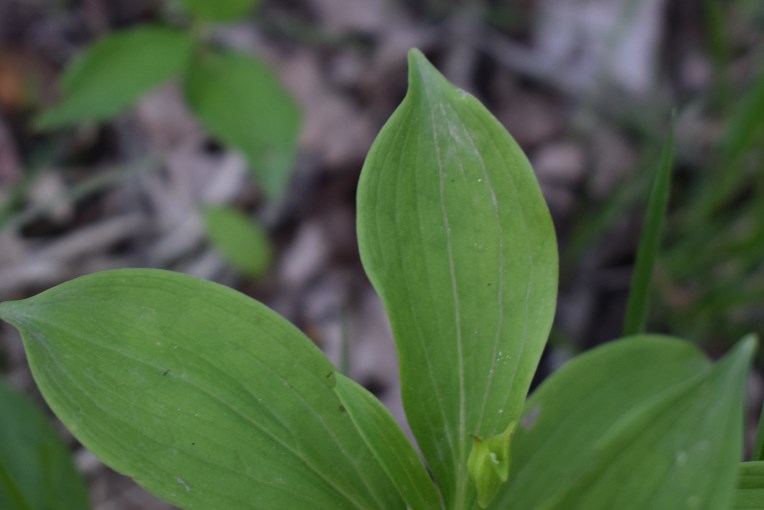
[219, 10]
[115, 71]
[36, 468]
[238, 99]
[239, 239]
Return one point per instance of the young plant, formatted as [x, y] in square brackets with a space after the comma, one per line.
[234, 96]
[211, 400]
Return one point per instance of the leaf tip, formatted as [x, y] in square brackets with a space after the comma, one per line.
[422, 74]
[11, 312]
[747, 346]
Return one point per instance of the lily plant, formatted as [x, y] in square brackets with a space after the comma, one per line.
[210, 400]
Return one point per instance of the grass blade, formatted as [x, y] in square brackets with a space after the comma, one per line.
[636, 309]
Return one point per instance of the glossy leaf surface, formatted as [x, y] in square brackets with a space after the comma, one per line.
[457, 240]
[239, 239]
[750, 487]
[115, 71]
[390, 445]
[219, 10]
[202, 395]
[239, 100]
[36, 468]
[645, 422]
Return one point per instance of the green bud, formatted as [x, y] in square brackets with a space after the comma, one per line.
[488, 464]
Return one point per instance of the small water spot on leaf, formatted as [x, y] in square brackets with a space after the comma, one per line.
[183, 484]
[530, 418]
[681, 458]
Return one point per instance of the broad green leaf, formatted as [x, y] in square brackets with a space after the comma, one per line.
[202, 395]
[239, 239]
[239, 100]
[750, 487]
[388, 442]
[219, 10]
[115, 71]
[646, 422]
[649, 243]
[457, 240]
[36, 469]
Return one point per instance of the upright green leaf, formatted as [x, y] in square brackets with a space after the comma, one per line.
[758, 447]
[115, 71]
[646, 422]
[649, 243]
[36, 469]
[750, 487]
[240, 101]
[202, 395]
[239, 239]
[219, 10]
[388, 442]
[456, 238]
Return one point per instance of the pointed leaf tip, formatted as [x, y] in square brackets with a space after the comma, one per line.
[9, 311]
[749, 343]
[424, 75]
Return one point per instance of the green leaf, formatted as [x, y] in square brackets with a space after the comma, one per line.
[388, 442]
[239, 100]
[649, 243]
[115, 71]
[36, 469]
[457, 239]
[646, 422]
[239, 239]
[758, 447]
[219, 10]
[750, 487]
[202, 395]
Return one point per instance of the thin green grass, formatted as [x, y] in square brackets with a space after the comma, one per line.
[649, 244]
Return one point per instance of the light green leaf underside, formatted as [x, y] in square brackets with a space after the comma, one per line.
[36, 469]
[239, 100]
[456, 238]
[646, 422]
[391, 447]
[115, 71]
[240, 240]
[219, 10]
[750, 487]
[204, 396]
